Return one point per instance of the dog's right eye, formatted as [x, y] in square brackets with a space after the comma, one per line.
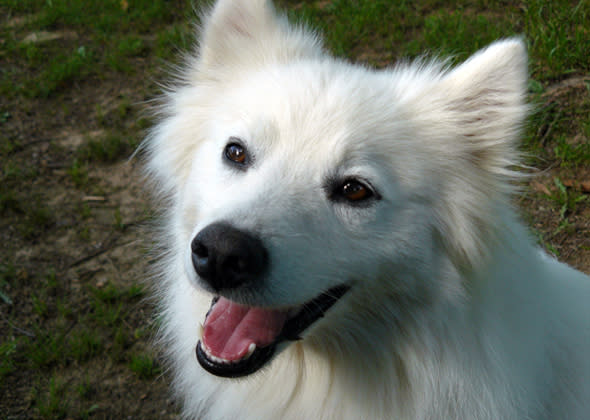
[236, 153]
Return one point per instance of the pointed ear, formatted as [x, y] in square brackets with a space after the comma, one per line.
[485, 100]
[238, 34]
[479, 108]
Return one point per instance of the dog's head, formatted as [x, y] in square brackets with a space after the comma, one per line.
[299, 181]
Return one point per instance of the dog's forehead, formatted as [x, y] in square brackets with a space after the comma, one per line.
[325, 110]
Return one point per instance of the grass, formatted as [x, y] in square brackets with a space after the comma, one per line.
[84, 345]
[571, 155]
[108, 148]
[566, 199]
[144, 366]
[114, 34]
[7, 273]
[558, 36]
[64, 70]
[63, 319]
[52, 404]
[7, 365]
[556, 32]
[37, 216]
[78, 173]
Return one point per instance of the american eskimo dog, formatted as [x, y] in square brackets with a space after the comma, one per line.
[340, 242]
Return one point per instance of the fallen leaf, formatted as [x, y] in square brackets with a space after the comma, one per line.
[537, 186]
[93, 198]
[570, 183]
[583, 186]
[41, 36]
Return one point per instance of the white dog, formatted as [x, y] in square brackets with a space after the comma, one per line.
[340, 241]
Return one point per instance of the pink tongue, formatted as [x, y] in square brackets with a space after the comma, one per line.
[230, 328]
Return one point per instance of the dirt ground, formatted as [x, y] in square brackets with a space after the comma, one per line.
[69, 235]
[86, 229]
[85, 252]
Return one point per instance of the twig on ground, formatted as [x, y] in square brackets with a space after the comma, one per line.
[16, 328]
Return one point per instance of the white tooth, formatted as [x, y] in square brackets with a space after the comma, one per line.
[214, 358]
[251, 349]
[200, 331]
[207, 352]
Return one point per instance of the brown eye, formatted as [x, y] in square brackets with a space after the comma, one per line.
[236, 153]
[353, 190]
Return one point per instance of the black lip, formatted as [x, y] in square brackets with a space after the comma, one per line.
[235, 370]
[309, 313]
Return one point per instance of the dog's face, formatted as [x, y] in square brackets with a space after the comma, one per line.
[302, 183]
[287, 200]
[293, 163]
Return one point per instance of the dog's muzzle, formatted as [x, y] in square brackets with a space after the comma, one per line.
[237, 340]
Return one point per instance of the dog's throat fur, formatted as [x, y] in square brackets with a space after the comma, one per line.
[238, 340]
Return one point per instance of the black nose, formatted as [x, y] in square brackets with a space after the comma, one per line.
[226, 257]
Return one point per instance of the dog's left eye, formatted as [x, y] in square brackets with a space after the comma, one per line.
[353, 191]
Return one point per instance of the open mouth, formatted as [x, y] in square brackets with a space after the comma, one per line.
[238, 340]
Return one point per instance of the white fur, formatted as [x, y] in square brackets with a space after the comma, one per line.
[453, 312]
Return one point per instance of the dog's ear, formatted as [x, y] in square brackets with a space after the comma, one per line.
[484, 98]
[241, 34]
[479, 108]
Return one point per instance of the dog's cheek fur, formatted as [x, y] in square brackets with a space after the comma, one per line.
[173, 142]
